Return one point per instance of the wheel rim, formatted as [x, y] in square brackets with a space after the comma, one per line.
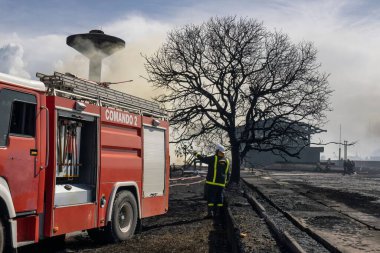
[125, 217]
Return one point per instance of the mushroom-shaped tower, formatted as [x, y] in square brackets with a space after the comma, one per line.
[96, 46]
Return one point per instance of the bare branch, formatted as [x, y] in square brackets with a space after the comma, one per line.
[232, 81]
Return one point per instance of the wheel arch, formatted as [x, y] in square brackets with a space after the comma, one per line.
[6, 203]
[7, 211]
[121, 186]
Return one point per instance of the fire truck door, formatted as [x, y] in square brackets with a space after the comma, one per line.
[74, 205]
[18, 135]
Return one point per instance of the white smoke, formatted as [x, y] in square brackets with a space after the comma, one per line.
[12, 62]
[142, 36]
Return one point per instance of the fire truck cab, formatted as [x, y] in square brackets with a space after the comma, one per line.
[75, 155]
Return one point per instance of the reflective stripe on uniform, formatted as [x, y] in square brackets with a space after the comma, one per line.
[219, 205]
[215, 165]
[228, 166]
[213, 183]
[210, 204]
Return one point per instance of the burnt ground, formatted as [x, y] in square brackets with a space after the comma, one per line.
[359, 192]
[341, 209]
[344, 210]
[182, 229]
[363, 203]
[255, 235]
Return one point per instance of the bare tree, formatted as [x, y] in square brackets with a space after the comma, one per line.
[231, 80]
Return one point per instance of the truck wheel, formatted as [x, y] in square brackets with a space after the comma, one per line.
[2, 236]
[124, 216]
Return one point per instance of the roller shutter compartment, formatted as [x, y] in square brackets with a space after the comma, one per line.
[154, 162]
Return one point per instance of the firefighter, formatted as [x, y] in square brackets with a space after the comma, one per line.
[217, 176]
[350, 167]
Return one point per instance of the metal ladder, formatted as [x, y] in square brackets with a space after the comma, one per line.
[69, 86]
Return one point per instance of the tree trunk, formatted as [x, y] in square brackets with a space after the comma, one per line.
[235, 174]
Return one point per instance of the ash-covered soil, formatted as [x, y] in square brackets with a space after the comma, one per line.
[361, 202]
[255, 236]
[182, 229]
[360, 191]
[343, 210]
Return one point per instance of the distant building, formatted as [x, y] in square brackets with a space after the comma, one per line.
[374, 158]
[308, 154]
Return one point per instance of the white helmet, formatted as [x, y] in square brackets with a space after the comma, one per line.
[220, 148]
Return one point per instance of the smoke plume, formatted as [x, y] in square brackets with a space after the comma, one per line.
[12, 62]
[142, 37]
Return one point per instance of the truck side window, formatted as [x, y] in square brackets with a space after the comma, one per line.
[9, 100]
[23, 119]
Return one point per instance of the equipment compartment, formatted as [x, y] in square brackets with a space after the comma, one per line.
[76, 167]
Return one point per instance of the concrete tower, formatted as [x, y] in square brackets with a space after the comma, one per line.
[96, 46]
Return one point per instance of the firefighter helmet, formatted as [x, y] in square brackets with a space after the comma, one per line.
[220, 148]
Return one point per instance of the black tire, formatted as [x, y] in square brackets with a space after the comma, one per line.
[2, 236]
[124, 217]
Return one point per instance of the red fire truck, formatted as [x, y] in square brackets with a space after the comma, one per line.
[75, 155]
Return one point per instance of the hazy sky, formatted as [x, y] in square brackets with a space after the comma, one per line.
[345, 32]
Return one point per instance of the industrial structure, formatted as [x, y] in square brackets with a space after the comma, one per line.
[95, 45]
[300, 142]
